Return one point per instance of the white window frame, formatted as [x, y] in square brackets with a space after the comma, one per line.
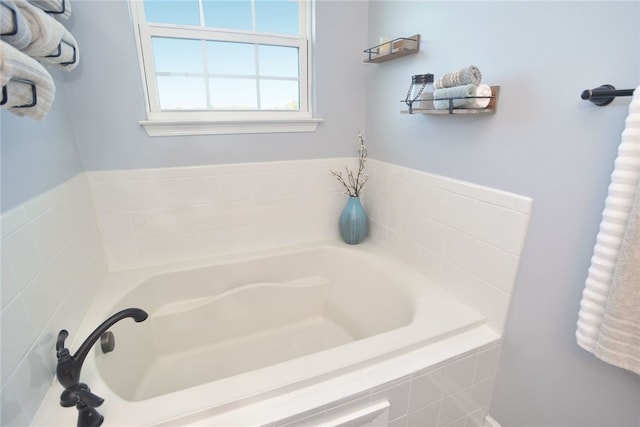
[167, 123]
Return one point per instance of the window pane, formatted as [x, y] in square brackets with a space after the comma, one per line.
[177, 55]
[227, 14]
[277, 16]
[181, 12]
[182, 93]
[278, 61]
[233, 94]
[231, 58]
[279, 95]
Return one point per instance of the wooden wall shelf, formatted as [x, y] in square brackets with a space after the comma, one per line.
[393, 49]
[490, 109]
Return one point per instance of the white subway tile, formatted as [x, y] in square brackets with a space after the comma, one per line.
[235, 187]
[453, 407]
[18, 335]
[115, 226]
[205, 190]
[10, 287]
[12, 220]
[51, 232]
[426, 389]
[122, 255]
[170, 193]
[12, 413]
[426, 416]
[481, 394]
[504, 228]
[460, 212]
[32, 379]
[458, 248]
[488, 361]
[459, 375]
[493, 265]
[22, 253]
[477, 293]
[38, 301]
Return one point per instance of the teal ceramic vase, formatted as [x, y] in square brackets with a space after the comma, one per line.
[353, 222]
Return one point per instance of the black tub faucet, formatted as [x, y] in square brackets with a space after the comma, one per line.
[68, 370]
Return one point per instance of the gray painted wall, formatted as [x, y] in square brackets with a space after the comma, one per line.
[37, 156]
[543, 142]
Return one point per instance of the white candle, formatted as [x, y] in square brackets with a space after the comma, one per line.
[386, 46]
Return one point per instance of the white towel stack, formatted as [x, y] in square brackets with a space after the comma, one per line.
[50, 41]
[461, 89]
[13, 27]
[29, 31]
[17, 72]
[59, 9]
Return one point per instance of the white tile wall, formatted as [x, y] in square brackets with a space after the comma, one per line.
[52, 265]
[465, 237]
[150, 217]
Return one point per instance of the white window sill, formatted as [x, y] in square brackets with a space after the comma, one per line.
[226, 127]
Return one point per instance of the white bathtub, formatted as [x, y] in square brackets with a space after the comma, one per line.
[227, 332]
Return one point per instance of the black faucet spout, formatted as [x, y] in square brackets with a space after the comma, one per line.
[137, 314]
[69, 367]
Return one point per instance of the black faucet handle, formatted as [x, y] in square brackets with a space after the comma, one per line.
[61, 350]
[85, 397]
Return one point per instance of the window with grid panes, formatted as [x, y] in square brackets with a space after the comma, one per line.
[224, 66]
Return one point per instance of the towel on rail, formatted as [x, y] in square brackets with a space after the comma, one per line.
[59, 9]
[14, 66]
[14, 28]
[50, 42]
[442, 97]
[609, 318]
[463, 76]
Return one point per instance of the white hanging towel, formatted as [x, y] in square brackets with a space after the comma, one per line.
[18, 72]
[609, 316]
[59, 9]
[51, 43]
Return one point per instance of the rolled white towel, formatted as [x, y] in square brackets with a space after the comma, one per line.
[13, 27]
[59, 9]
[16, 65]
[456, 96]
[463, 76]
[481, 90]
[50, 41]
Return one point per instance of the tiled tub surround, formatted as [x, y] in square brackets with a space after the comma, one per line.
[464, 237]
[52, 266]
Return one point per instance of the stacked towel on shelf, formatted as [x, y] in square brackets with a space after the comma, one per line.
[455, 96]
[482, 90]
[461, 89]
[461, 77]
[13, 27]
[59, 9]
[16, 66]
[50, 41]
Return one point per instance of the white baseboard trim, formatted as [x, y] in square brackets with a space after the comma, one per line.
[491, 422]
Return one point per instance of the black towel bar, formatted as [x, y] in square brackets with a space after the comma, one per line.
[603, 95]
[34, 96]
